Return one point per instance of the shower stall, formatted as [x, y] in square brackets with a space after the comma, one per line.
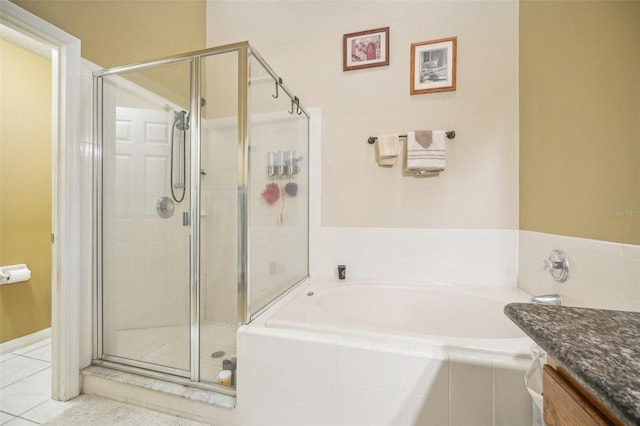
[202, 206]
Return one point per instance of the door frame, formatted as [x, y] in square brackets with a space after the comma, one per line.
[66, 321]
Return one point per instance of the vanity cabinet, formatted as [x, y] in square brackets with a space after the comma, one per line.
[567, 403]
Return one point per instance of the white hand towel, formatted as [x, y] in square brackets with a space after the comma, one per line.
[431, 159]
[388, 147]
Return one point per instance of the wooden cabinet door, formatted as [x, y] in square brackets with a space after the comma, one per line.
[565, 405]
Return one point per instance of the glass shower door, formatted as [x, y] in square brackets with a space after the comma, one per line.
[145, 225]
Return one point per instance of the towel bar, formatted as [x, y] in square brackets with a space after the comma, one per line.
[450, 135]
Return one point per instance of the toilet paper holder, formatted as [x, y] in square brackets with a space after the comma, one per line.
[14, 274]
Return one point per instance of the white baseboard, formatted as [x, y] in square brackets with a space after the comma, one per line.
[23, 341]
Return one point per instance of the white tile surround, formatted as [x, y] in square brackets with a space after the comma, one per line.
[294, 377]
[457, 256]
[601, 274]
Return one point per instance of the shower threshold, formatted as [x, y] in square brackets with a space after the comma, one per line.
[188, 399]
[160, 346]
[150, 379]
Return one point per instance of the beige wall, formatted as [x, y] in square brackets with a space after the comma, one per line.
[122, 32]
[302, 41]
[580, 119]
[25, 189]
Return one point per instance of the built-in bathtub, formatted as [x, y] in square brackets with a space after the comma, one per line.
[356, 352]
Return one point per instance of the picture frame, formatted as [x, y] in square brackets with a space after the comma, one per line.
[365, 49]
[433, 66]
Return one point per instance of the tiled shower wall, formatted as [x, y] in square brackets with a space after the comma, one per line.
[274, 248]
[601, 274]
[278, 233]
[219, 220]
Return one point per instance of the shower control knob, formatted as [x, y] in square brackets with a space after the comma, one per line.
[165, 207]
[557, 265]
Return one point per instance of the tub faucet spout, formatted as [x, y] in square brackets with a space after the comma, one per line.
[547, 299]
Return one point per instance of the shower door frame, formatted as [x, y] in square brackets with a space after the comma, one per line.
[194, 241]
[195, 58]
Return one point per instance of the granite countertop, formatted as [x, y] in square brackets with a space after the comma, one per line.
[599, 348]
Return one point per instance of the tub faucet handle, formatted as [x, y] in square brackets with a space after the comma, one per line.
[557, 265]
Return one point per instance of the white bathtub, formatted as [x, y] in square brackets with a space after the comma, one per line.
[450, 317]
[357, 352]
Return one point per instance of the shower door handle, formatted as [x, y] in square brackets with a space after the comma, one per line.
[186, 219]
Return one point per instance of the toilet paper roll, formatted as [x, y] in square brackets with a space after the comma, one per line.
[16, 275]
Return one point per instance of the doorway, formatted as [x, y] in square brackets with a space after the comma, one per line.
[25, 184]
[64, 239]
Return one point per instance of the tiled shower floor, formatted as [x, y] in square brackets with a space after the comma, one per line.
[170, 346]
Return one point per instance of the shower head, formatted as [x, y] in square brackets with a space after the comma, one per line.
[181, 119]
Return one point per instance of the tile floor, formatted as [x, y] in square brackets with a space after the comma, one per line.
[25, 387]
